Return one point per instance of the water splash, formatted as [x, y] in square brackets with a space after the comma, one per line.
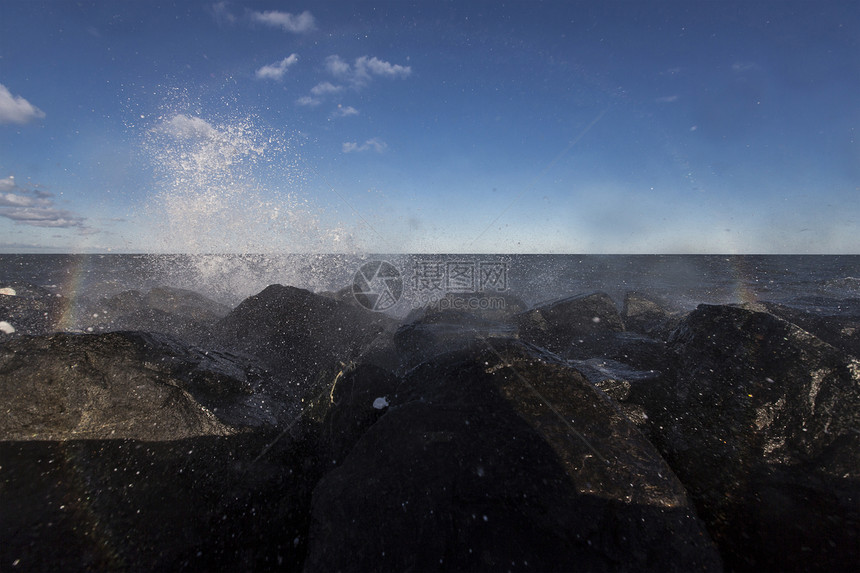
[232, 195]
[229, 187]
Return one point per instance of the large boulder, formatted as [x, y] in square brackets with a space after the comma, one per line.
[434, 332]
[575, 327]
[357, 399]
[834, 321]
[123, 386]
[299, 335]
[760, 423]
[496, 457]
[176, 312]
[208, 503]
[130, 451]
[649, 315]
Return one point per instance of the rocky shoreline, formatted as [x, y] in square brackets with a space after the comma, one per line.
[299, 431]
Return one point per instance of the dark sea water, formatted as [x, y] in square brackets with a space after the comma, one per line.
[811, 282]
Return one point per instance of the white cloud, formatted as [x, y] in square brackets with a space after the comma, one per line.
[277, 70]
[325, 88]
[344, 111]
[38, 217]
[35, 208]
[15, 109]
[667, 99]
[357, 76]
[364, 68]
[374, 144]
[337, 67]
[379, 67]
[297, 24]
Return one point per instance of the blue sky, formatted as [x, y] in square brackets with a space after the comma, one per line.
[580, 127]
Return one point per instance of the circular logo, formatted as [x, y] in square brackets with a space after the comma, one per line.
[377, 285]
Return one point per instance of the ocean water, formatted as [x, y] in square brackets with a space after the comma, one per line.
[828, 283]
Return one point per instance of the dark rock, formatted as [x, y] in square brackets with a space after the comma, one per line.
[574, 327]
[589, 326]
[203, 504]
[120, 304]
[649, 316]
[640, 352]
[299, 335]
[185, 303]
[123, 386]
[31, 310]
[356, 400]
[833, 321]
[600, 370]
[180, 313]
[495, 458]
[436, 332]
[155, 320]
[760, 423]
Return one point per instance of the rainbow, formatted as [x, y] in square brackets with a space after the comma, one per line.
[71, 287]
[742, 269]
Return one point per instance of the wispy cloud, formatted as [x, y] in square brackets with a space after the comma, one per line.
[377, 67]
[374, 144]
[15, 109]
[35, 208]
[324, 88]
[744, 66]
[277, 70]
[296, 23]
[667, 99]
[356, 76]
[221, 13]
[344, 111]
[364, 69]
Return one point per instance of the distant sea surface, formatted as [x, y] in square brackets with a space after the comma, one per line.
[803, 281]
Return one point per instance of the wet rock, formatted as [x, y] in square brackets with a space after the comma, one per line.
[638, 351]
[603, 370]
[122, 386]
[574, 327]
[496, 457]
[203, 503]
[155, 320]
[649, 316]
[436, 332]
[180, 313]
[28, 310]
[185, 303]
[356, 401]
[760, 423]
[836, 322]
[299, 335]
